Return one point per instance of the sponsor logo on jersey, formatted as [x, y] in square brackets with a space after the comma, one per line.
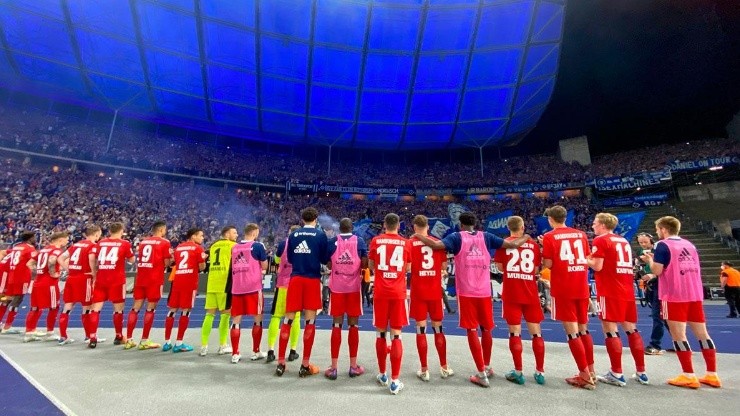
[345, 258]
[474, 251]
[302, 248]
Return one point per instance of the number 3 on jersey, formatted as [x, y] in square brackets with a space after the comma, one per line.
[396, 260]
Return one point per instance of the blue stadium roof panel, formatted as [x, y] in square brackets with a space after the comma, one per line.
[389, 74]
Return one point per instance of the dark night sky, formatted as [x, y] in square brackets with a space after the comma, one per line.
[635, 72]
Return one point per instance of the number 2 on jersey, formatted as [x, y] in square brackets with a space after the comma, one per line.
[520, 263]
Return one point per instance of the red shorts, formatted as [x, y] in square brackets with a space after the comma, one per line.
[116, 293]
[683, 311]
[151, 292]
[513, 312]
[570, 310]
[17, 289]
[390, 312]
[78, 290]
[475, 312]
[303, 294]
[45, 297]
[345, 303]
[181, 299]
[247, 304]
[421, 308]
[617, 310]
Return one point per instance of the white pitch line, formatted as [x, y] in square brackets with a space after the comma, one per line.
[58, 403]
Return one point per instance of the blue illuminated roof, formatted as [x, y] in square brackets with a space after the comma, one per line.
[369, 74]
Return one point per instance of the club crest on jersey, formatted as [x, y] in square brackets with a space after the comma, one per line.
[345, 258]
[302, 248]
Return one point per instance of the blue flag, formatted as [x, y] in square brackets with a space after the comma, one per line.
[496, 223]
[629, 223]
[543, 226]
[440, 227]
[365, 229]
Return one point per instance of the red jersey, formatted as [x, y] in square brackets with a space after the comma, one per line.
[568, 249]
[152, 254]
[520, 272]
[615, 280]
[79, 258]
[112, 254]
[426, 269]
[43, 274]
[388, 253]
[5, 269]
[188, 257]
[19, 272]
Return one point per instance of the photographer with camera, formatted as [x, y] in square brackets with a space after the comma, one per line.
[646, 243]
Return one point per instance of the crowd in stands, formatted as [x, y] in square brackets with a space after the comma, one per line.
[64, 136]
[44, 199]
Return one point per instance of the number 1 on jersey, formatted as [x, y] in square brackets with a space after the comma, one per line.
[396, 259]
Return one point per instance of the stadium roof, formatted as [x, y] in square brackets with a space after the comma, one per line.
[363, 73]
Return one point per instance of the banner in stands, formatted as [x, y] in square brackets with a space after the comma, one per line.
[637, 201]
[440, 227]
[366, 190]
[637, 180]
[629, 223]
[679, 166]
[303, 187]
[366, 229]
[543, 225]
[496, 223]
[516, 189]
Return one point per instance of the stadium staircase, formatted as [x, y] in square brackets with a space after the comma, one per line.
[711, 250]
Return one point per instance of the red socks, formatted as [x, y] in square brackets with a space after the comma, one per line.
[578, 352]
[118, 323]
[475, 349]
[515, 346]
[169, 322]
[256, 336]
[353, 339]
[308, 335]
[182, 326]
[709, 351]
[283, 341]
[12, 312]
[486, 342]
[538, 347]
[3, 309]
[94, 321]
[396, 357]
[32, 319]
[441, 343]
[235, 334]
[51, 319]
[133, 316]
[148, 322]
[64, 323]
[86, 323]
[336, 342]
[637, 349]
[614, 349]
[687, 365]
[381, 351]
[421, 347]
[588, 348]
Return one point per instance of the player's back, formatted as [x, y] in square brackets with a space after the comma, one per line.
[112, 255]
[388, 252]
[188, 257]
[219, 256]
[307, 251]
[426, 269]
[22, 253]
[615, 279]
[79, 257]
[153, 252]
[519, 267]
[43, 274]
[567, 248]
